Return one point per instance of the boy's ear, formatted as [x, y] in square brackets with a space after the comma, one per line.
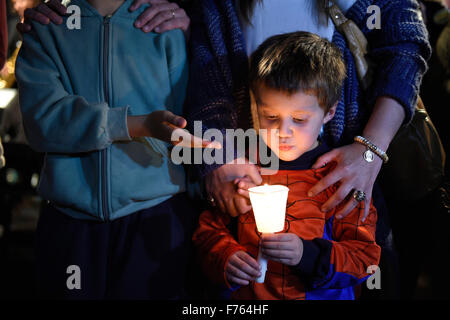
[330, 114]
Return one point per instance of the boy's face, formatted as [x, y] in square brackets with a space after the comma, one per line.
[298, 117]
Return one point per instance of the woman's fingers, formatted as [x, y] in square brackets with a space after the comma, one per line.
[241, 204]
[325, 158]
[154, 15]
[171, 24]
[168, 13]
[138, 3]
[327, 181]
[348, 207]
[33, 14]
[341, 193]
[57, 7]
[23, 27]
[367, 205]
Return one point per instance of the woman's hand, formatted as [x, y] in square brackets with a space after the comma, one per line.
[161, 16]
[221, 186]
[353, 173]
[52, 11]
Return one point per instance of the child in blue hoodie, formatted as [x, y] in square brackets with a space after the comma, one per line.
[97, 99]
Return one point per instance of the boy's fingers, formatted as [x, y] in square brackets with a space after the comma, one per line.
[276, 245]
[276, 237]
[276, 254]
[239, 281]
[234, 271]
[249, 260]
[32, 14]
[246, 268]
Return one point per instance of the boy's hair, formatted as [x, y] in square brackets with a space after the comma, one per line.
[299, 61]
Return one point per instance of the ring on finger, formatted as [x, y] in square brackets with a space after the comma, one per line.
[359, 195]
[211, 200]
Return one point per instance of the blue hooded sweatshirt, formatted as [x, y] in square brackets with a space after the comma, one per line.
[76, 88]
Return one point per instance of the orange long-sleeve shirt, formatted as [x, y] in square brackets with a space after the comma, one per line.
[337, 253]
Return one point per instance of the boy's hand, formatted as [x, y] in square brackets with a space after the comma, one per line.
[286, 248]
[242, 268]
[44, 13]
[161, 16]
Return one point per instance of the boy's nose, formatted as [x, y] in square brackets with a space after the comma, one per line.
[285, 130]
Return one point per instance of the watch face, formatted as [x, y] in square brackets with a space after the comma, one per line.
[368, 156]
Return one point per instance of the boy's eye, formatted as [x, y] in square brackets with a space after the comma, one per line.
[299, 119]
[271, 117]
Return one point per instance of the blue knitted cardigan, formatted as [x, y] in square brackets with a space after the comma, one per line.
[218, 90]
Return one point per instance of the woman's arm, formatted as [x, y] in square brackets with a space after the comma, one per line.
[400, 50]
[352, 170]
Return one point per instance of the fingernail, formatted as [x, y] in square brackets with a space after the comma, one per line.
[146, 29]
[310, 194]
[138, 24]
[157, 29]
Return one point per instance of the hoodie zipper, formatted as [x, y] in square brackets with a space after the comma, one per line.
[104, 161]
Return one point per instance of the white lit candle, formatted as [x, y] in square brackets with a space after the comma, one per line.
[269, 208]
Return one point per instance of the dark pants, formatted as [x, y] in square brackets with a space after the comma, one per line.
[144, 255]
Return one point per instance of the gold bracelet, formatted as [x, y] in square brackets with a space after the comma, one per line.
[380, 153]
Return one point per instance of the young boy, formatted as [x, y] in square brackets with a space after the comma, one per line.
[117, 223]
[296, 80]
